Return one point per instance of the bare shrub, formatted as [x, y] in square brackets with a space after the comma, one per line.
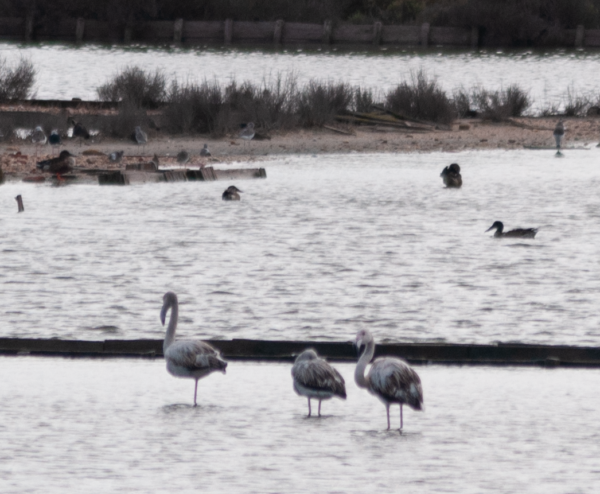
[421, 98]
[576, 105]
[144, 89]
[363, 100]
[462, 103]
[194, 107]
[123, 124]
[16, 82]
[270, 105]
[502, 104]
[319, 102]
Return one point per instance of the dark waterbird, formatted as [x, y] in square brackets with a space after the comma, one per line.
[187, 358]
[516, 233]
[231, 193]
[79, 130]
[60, 165]
[451, 176]
[559, 133]
[315, 378]
[204, 151]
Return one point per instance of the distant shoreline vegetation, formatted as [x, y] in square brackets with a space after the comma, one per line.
[277, 103]
[505, 22]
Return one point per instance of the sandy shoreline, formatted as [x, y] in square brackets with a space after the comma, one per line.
[18, 157]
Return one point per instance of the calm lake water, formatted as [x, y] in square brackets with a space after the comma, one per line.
[326, 245]
[66, 70]
[128, 426]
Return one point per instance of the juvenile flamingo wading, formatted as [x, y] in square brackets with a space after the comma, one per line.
[315, 378]
[391, 379]
[187, 358]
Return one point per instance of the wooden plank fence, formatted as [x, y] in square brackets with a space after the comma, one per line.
[229, 31]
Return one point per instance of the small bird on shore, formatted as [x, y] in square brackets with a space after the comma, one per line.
[315, 378]
[155, 161]
[116, 156]
[79, 131]
[187, 358]
[61, 165]
[231, 193]
[516, 233]
[183, 157]
[391, 379]
[38, 137]
[54, 140]
[559, 133]
[451, 176]
[140, 136]
[247, 132]
[204, 151]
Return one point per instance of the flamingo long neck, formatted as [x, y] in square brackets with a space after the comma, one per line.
[170, 336]
[359, 373]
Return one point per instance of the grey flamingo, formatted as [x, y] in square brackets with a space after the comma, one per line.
[391, 379]
[187, 358]
[315, 378]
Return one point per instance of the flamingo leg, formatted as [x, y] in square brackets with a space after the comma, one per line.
[309, 410]
[387, 409]
[401, 416]
[319, 408]
[195, 391]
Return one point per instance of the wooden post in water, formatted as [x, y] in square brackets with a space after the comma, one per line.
[19, 200]
[278, 31]
[475, 37]
[579, 36]
[228, 31]
[327, 31]
[424, 38]
[1, 176]
[29, 27]
[377, 32]
[178, 30]
[79, 29]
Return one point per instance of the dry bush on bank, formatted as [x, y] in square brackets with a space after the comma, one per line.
[16, 82]
[502, 104]
[319, 102]
[194, 108]
[142, 88]
[421, 98]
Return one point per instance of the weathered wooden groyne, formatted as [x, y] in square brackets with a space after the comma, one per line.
[285, 351]
[278, 32]
[138, 174]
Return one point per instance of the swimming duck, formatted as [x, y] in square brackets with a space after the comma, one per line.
[61, 165]
[517, 233]
[451, 176]
[231, 193]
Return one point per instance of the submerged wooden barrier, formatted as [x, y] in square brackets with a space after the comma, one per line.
[278, 32]
[286, 351]
[207, 174]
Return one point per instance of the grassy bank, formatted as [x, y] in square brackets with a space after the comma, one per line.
[153, 101]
